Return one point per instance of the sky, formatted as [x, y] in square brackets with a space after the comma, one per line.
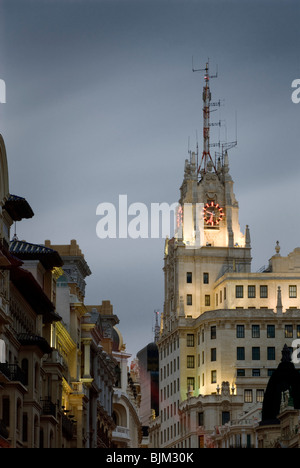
[101, 101]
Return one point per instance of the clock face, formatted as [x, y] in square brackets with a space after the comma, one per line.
[213, 214]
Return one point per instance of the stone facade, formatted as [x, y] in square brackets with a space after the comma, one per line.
[223, 326]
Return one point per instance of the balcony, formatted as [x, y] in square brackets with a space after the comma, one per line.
[68, 427]
[121, 434]
[48, 408]
[3, 430]
[13, 373]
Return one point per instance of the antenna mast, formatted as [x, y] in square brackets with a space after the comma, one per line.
[156, 327]
[206, 96]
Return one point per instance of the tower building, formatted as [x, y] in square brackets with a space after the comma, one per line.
[223, 326]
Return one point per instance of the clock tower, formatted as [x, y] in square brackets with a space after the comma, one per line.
[209, 241]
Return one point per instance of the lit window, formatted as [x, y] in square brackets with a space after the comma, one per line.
[292, 291]
[288, 331]
[239, 292]
[251, 292]
[263, 292]
[190, 362]
[260, 396]
[207, 300]
[248, 398]
[213, 376]
[191, 382]
[190, 340]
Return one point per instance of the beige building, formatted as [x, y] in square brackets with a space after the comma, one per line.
[223, 326]
[126, 398]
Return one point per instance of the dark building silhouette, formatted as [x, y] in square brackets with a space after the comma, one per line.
[149, 380]
[285, 377]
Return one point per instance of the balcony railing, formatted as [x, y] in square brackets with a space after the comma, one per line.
[13, 372]
[121, 433]
[3, 430]
[48, 408]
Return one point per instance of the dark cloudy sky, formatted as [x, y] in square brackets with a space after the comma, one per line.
[102, 101]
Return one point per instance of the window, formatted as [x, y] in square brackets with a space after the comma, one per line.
[270, 372]
[292, 291]
[225, 417]
[255, 331]
[191, 382]
[190, 362]
[200, 419]
[206, 278]
[240, 353]
[213, 354]
[263, 292]
[213, 332]
[5, 411]
[288, 331]
[271, 353]
[260, 396]
[255, 372]
[240, 331]
[240, 373]
[251, 292]
[189, 277]
[239, 292]
[248, 398]
[189, 299]
[270, 331]
[190, 340]
[298, 331]
[255, 353]
[213, 376]
[207, 300]
[224, 294]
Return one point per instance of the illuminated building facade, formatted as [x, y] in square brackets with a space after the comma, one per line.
[57, 372]
[223, 326]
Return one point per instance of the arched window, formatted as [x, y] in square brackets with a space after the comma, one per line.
[24, 367]
[2, 351]
[36, 376]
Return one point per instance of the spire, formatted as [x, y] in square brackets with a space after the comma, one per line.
[279, 302]
[247, 237]
[157, 327]
[206, 97]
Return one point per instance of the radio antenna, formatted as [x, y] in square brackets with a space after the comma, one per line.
[206, 97]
